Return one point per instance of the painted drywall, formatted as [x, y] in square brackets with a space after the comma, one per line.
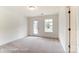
[61, 25]
[63, 28]
[13, 25]
[41, 25]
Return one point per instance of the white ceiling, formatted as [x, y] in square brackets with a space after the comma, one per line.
[37, 12]
[42, 10]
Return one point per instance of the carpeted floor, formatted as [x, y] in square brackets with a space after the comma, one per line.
[33, 45]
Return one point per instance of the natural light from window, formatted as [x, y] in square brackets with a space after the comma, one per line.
[48, 25]
[35, 27]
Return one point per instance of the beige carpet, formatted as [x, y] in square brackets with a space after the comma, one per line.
[33, 45]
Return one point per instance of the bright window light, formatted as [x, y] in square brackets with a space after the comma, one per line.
[48, 25]
[35, 27]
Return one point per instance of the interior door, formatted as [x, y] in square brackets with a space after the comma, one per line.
[77, 24]
[63, 27]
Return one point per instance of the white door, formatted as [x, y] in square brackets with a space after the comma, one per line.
[75, 28]
[74, 17]
[63, 27]
[77, 17]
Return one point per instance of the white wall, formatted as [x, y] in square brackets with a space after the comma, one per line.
[41, 25]
[12, 25]
[63, 28]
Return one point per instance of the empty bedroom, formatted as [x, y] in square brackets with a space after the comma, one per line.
[34, 29]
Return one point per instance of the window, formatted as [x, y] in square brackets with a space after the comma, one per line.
[48, 25]
[35, 27]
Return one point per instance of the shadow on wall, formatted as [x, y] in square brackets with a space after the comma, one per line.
[12, 25]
